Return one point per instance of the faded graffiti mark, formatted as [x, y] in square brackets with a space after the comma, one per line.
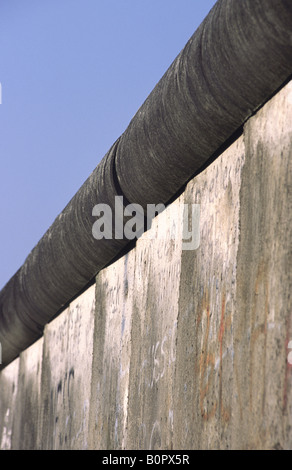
[159, 357]
[150, 434]
[206, 366]
[209, 366]
[155, 438]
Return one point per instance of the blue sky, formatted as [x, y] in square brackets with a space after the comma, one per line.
[73, 74]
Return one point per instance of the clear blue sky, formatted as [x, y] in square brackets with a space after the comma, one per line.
[73, 74]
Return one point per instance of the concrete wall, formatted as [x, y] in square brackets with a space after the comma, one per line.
[172, 348]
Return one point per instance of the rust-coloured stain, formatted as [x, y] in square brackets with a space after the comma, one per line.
[206, 366]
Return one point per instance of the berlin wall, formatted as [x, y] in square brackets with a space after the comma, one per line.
[175, 348]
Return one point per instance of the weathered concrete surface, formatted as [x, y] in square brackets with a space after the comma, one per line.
[262, 326]
[27, 406]
[133, 343]
[207, 306]
[8, 394]
[112, 352]
[233, 380]
[66, 376]
[208, 344]
[153, 336]
[173, 348]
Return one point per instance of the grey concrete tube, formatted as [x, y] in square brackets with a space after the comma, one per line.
[239, 56]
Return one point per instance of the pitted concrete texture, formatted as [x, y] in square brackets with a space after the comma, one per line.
[174, 348]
